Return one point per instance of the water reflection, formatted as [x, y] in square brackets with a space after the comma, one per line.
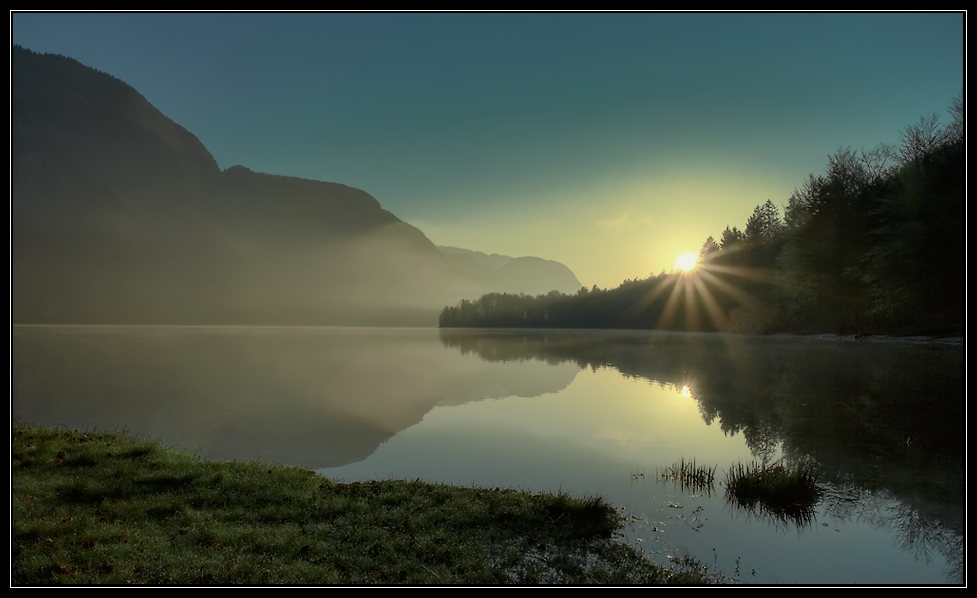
[880, 419]
[876, 414]
[924, 533]
[316, 397]
[585, 412]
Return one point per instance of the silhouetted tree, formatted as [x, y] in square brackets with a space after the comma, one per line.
[709, 249]
[765, 224]
[731, 239]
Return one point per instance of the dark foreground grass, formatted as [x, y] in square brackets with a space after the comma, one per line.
[91, 508]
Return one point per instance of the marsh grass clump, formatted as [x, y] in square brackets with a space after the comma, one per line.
[91, 508]
[787, 493]
[689, 475]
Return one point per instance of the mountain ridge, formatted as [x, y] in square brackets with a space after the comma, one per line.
[120, 215]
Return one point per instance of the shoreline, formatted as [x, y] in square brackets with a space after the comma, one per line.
[94, 508]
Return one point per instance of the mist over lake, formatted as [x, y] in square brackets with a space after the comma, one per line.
[588, 412]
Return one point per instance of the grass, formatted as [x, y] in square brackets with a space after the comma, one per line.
[688, 475]
[92, 508]
[786, 494]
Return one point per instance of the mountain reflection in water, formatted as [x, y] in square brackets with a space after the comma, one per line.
[586, 411]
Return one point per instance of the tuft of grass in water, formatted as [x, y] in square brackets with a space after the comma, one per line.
[689, 475]
[92, 508]
[775, 490]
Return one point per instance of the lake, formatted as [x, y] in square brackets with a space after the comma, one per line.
[582, 411]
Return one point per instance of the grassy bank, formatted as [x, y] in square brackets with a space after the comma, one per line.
[92, 508]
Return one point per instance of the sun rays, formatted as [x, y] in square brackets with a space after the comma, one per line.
[699, 286]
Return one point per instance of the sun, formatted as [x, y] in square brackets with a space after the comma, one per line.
[687, 262]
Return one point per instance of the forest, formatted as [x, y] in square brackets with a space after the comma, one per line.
[875, 245]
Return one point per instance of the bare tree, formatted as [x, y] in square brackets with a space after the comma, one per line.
[920, 139]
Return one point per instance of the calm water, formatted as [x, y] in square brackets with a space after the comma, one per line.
[586, 412]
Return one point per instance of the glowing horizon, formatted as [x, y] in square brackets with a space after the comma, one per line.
[610, 143]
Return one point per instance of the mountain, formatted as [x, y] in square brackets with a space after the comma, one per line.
[120, 215]
[504, 274]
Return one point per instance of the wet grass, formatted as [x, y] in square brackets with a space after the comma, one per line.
[775, 491]
[92, 508]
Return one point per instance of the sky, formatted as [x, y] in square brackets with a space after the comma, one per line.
[611, 142]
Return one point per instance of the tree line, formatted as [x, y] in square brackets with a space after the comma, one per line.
[876, 244]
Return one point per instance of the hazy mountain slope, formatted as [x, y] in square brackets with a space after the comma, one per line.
[504, 274]
[533, 275]
[119, 215]
[495, 261]
[312, 246]
[104, 191]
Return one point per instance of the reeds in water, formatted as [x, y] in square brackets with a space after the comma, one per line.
[787, 493]
[689, 475]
